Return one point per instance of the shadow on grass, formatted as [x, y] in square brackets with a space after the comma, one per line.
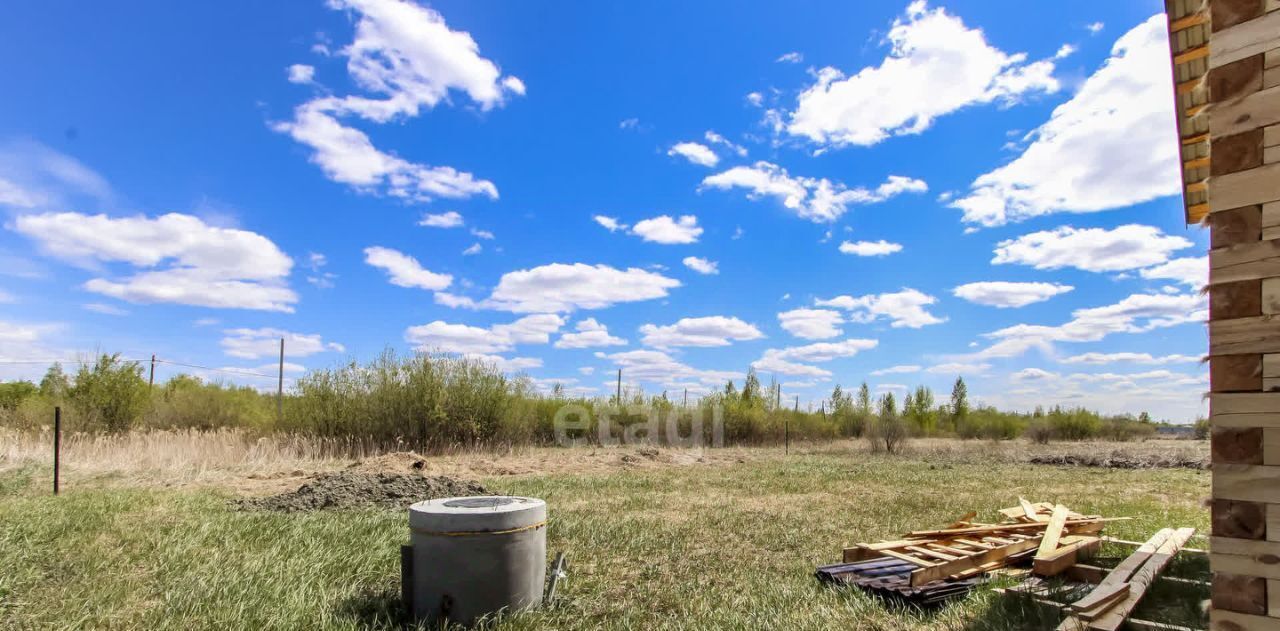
[380, 610]
[383, 610]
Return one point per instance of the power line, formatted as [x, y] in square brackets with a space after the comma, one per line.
[233, 371]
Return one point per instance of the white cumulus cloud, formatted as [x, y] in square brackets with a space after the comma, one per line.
[811, 324]
[701, 265]
[936, 65]
[705, 331]
[408, 58]
[1009, 294]
[1091, 249]
[1112, 145]
[265, 342]
[906, 308]
[404, 270]
[450, 219]
[816, 199]
[440, 336]
[667, 230]
[590, 334]
[870, 248]
[1135, 358]
[1190, 271]
[199, 264]
[695, 152]
[564, 287]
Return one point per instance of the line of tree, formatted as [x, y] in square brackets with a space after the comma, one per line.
[429, 401]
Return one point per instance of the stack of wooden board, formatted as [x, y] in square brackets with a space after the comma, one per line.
[1053, 535]
[1110, 603]
[888, 577]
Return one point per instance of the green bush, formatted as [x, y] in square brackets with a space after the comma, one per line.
[184, 402]
[110, 394]
[12, 394]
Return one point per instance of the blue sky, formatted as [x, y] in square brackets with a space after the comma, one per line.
[896, 192]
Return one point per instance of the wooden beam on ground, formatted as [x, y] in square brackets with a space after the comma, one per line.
[1138, 544]
[1099, 599]
[1073, 549]
[1135, 623]
[1121, 574]
[1141, 579]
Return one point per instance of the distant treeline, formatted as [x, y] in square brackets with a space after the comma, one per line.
[430, 402]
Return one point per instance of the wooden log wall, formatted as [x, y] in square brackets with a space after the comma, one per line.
[1242, 89]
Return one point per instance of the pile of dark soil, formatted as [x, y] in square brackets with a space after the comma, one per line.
[348, 489]
[1124, 461]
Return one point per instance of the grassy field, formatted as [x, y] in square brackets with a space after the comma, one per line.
[728, 543]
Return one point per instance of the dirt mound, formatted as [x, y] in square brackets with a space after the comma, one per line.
[348, 489]
[1124, 461]
[394, 462]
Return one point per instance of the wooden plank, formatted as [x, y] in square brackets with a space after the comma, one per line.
[988, 557]
[1198, 163]
[1265, 565]
[1245, 420]
[1244, 403]
[1243, 188]
[1251, 483]
[1192, 55]
[1247, 547]
[1028, 509]
[1101, 597]
[932, 553]
[1259, 109]
[1186, 22]
[1141, 579]
[864, 551]
[1244, 336]
[1139, 544]
[1273, 598]
[1271, 214]
[909, 558]
[963, 520]
[1014, 527]
[1271, 135]
[1198, 138]
[1053, 532]
[1123, 570]
[1271, 446]
[1066, 556]
[1243, 253]
[1273, 522]
[1223, 620]
[1098, 600]
[952, 550]
[1085, 573]
[1246, 39]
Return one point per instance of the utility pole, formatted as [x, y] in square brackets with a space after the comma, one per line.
[786, 432]
[151, 381]
[280, 385]
[619, 387]
[685, 405]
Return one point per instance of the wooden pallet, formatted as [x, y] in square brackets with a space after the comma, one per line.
[966, 548]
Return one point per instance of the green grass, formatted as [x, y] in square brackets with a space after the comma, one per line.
[680, 547]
